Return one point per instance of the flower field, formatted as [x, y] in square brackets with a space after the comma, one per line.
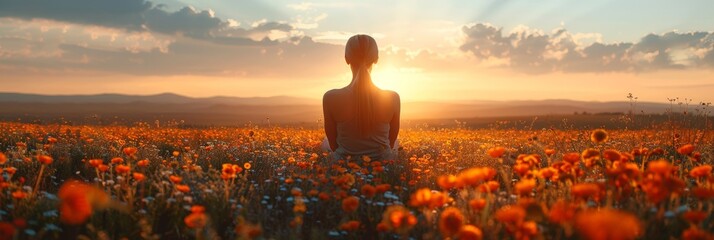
[144, 182]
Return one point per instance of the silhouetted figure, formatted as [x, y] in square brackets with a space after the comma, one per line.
[361, 119]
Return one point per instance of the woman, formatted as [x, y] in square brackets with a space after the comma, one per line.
[361, 119]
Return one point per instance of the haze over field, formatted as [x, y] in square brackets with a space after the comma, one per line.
[443, 51]
[106, 108]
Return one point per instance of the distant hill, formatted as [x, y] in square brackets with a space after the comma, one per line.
[105, 108]
[158, 98]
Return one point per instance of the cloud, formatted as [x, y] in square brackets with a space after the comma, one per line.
[127, 14]
[136, 37]
[298, 57]
[140, 15]
[188, 21]
[533, 51]
[303, 6]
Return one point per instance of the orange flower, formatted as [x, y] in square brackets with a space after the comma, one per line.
[299, 207]
[586, 190]
[701, 171]
[130, 151]
[143, 163]
[95, 162]
[703, 193]
[572, 157]
[247, 230]
[511, 215]
[475, 176]
[598, 136]
[78, 200]
[117, 160]
[489, 187]
[19, 194]
[447, 182]
[548, 173]
[175, 153]
[607, 224]
[549, 152]
[350, 204]
[10, 170]
[424, 197]
[246, 166]
[450, 221]
[521, 169]
[661, 166]
[3, 158]
[175, 179]
[103, 167]
[525, 186]
[138, 177]
[382, 227]
[398, 219]
[382, 188]
[590, 156]
[659, 187]
[469, 232]
[323, 196]
[686, 149]
[477, 204]
[230, 171]
[183, 188]
[562, 212]
[695, 217]
[196, 220]
[368, 190]
[496, 152]
[694, 233]
[526, 230]
[611, 154]
[296, 192]
[350, 226]
[197, 209]
[44, 159]
[122, 169]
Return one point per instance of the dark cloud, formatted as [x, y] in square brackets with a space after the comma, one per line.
[138, 15]
[535, 52]
[187, 21]
[128, 14]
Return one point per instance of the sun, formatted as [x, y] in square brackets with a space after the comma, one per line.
[396, 79]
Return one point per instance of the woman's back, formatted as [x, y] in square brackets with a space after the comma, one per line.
[340, 104]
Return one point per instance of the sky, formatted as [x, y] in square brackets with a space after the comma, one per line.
[429, 50]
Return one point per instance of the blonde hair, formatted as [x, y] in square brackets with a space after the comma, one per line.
[361, 52]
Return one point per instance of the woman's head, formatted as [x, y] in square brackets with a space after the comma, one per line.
[361, 50]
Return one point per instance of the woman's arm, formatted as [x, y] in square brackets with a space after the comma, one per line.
[394, 123]
[330, 125]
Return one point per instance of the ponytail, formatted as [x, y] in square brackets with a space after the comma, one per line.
[363, 100]
[361, 52]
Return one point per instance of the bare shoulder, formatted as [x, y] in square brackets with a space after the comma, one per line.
[331, 94]
[392, 95]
